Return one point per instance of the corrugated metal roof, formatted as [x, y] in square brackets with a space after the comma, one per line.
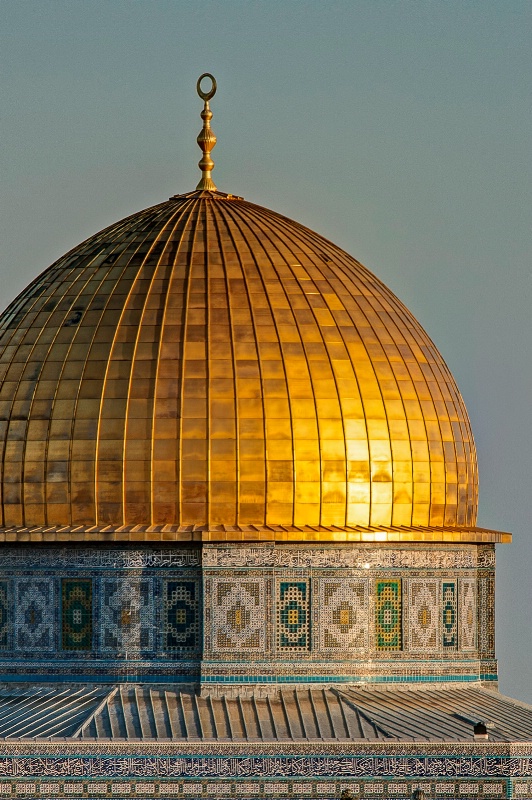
[47, 711]
[297, 715]
[445, 714]
[288, 715]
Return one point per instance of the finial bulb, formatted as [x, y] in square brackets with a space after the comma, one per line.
[206, 138]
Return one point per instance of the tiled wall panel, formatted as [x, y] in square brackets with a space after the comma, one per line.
[334, 612]
[344, 615]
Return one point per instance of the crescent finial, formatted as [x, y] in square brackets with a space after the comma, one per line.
[206, 138]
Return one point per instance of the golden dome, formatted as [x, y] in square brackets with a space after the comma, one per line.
[209, 361]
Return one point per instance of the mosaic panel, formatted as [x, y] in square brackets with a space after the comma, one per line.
[343, 614]
[50, 788]
[449, 616]
[467, 615]
[34, 615]
[239, 614]
[4, 615]
[486, 605]
[126, 615]
[388, 615]
[76, 614]
[293, 612]
[181, 617]
[399, 789]
[423, 614]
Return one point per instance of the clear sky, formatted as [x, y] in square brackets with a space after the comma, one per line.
[400, 130]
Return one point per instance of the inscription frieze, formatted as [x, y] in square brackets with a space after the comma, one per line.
[338, 557]
[354, 557]
[264, 767]
[99, 557]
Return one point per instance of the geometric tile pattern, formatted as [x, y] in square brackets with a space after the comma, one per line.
[423, 614]
[76, 614]
[128, 610]
[181, 623]
[467, 614]
[293, 607]
[486, 615]
[388, 616]
[239, 614]
[34, 614]
[4, 615]
[126, 615]
[344, 614]
[449, 616]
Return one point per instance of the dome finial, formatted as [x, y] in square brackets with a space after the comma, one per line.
[206, 138]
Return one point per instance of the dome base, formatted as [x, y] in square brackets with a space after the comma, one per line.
[226, 614]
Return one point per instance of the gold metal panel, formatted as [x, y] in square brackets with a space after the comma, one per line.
[332, 449]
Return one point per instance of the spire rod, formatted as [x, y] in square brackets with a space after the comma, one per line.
[206, 138]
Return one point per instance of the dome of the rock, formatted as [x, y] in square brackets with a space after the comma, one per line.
[239, 555]
[208, 361]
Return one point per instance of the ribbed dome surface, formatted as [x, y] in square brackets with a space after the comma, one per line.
[209, 361]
